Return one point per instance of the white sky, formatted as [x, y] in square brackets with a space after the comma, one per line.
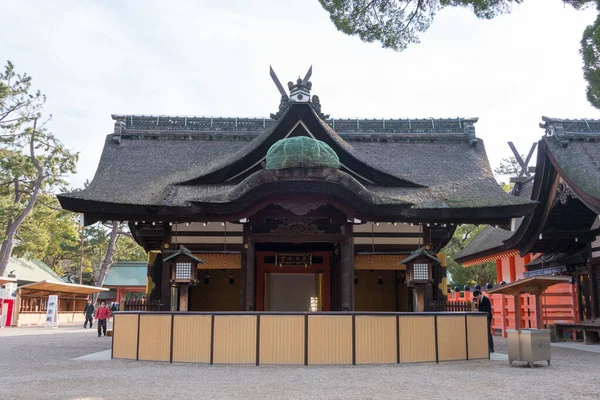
[211, 58]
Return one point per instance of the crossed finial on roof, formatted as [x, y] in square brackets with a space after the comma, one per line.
[299, 93]
[525, 171]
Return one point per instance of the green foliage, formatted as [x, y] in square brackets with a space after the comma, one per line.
[398, 23]
[480, 274]
[33, 162]
[49, 234]
[508, 167]
[590, 51]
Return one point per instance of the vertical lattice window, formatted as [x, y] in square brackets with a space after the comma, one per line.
[183, 270]
[421, 272]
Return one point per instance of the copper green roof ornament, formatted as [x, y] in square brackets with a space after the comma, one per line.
[301, 152]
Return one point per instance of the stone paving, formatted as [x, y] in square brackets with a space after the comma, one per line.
[37, 363]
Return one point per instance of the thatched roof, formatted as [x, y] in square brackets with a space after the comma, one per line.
[570, 149]
[432, 170]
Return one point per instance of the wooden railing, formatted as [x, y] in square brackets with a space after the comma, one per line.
[455, 306]
[299, 338]
[559, 304]
[143, 305]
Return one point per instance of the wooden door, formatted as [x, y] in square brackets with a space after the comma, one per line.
[265, 264]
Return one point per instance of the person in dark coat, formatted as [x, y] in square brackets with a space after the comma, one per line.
[485, 305]
[88, 311]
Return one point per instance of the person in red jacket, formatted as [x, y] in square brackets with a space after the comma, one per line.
[102, 315]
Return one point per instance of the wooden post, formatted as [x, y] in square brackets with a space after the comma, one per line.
[419, 293]
[512, 269]
[244, 266]
[165, 292]
[347, 270]
[183, 297]
[499, 277]
[517, 314]
[539, 320]
[251, 277]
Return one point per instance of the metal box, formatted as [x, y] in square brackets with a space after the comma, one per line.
[529, 345]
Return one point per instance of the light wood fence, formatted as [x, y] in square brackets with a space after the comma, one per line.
[300, 338]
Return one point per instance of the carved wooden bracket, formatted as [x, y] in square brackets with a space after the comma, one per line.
[291, 225]
[300, 208]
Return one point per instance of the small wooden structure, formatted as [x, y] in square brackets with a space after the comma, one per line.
[184, 273]
[529, 345]
[419, 267]
[33, 299]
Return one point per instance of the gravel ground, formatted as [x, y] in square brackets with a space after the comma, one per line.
[38, 364]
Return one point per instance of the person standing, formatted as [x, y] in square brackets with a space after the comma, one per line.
[485, 305]
[113, 308]
[102, 315]
[88, 311]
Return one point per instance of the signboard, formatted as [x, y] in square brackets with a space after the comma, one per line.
[52, 311]
[293, 260]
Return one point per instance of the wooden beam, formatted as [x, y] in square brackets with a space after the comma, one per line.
[347, 270]
[304, 238]
[251, 276]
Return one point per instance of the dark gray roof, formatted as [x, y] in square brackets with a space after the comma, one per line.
[420, 252]
[158, 165]
[184, 251]
[573, 148]
[489, 241]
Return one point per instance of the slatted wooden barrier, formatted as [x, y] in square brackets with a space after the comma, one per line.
[300, 338]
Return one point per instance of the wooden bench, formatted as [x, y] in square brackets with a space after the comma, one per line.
[591, 330]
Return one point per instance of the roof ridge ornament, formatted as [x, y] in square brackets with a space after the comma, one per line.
[299, 93]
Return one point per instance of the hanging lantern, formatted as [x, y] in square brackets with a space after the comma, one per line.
[184, 266]
[419, 266]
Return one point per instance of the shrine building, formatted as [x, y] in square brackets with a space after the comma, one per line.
[296, 212]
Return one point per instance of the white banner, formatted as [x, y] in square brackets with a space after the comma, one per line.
[10, 291]
[52, 311]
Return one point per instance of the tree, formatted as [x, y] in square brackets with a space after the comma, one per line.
[32, 160]
[590, 48]
[479, 274]
[132, 253]
[49, 234]
[508, 167]
[398, 23]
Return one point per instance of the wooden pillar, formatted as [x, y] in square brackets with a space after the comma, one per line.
[419, 293]
[517, 312]
[512, 269]
[244, 266]
[154, 279]
[347, 270]
[499, 277]
[183, 297]
[539, 320]
[250, 277]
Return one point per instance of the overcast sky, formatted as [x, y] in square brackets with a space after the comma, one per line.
[211, 58]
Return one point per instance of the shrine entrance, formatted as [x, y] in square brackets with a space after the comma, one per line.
[293, 281]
